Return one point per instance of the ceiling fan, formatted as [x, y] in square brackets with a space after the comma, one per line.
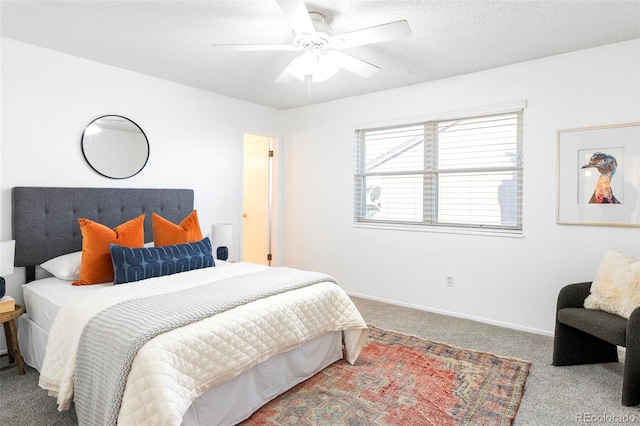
[321, 57]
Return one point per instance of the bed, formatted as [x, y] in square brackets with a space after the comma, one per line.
[242, 357]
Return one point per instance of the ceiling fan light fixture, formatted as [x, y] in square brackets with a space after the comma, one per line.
[302, 66]
[327, 66]
[318, 66]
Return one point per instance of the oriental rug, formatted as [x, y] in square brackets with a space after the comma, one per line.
[404, 380]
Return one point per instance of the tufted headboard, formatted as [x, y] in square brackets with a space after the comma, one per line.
[45, 219]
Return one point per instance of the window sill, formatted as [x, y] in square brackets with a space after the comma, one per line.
[443, 229]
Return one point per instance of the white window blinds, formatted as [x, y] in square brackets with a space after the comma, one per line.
[457, 172]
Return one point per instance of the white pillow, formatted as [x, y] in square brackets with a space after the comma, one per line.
[65, 267]
[616, 287]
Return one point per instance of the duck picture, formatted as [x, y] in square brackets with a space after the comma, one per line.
[605, 164]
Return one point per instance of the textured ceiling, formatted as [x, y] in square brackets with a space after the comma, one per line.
[173, 40]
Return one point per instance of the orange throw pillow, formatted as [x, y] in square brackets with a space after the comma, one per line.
[166, 233]
[96, 266]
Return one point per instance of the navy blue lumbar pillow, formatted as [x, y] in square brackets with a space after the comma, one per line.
[134, 264]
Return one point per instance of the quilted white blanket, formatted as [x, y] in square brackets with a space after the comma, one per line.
[174, 368]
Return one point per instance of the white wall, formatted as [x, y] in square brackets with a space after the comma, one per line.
[508, 281]
[196, 141]
[195, 136]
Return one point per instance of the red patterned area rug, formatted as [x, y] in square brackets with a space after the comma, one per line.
[404, 380]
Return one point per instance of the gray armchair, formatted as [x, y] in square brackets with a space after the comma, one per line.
[587, 336]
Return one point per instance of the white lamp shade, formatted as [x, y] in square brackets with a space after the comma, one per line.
[221, 235]
[7, 252]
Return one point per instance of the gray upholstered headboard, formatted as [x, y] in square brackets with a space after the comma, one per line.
[45, 219]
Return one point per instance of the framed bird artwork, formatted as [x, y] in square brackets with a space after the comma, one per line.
[598, 175]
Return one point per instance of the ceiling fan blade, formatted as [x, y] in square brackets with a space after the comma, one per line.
[323, 67]
[254, 47]
[354, 65]
[287, 75]
[284, 77]
[298, 16]
[377, 34]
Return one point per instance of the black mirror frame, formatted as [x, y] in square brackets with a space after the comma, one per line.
[84, 154]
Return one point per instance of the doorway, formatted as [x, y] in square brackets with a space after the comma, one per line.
[257, 199]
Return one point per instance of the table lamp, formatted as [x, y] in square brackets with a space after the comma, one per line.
[7, 251]
[221, 238]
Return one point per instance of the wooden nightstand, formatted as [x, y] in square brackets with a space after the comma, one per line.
[11, 334]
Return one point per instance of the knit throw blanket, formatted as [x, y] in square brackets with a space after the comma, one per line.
[112, 338]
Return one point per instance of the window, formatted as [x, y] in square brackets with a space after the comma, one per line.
[456, 173]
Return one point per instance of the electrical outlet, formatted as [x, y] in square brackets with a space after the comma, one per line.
[449, 280]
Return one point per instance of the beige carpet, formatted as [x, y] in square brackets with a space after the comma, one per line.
[552, 395]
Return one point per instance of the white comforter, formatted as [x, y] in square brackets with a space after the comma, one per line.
[174, 368]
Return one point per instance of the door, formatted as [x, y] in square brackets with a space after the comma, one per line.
[256, 222]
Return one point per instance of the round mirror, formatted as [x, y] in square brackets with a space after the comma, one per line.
[115, 147]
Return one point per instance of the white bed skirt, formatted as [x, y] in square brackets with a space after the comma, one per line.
[231, 402]
[32, 340]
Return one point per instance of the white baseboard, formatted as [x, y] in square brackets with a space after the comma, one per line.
[454, 314]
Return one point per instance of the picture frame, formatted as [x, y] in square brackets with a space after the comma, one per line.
[598, 175]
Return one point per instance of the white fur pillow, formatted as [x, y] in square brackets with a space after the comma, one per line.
[616, 287]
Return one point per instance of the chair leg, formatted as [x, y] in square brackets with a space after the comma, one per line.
[631, 379]
[574, 347]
